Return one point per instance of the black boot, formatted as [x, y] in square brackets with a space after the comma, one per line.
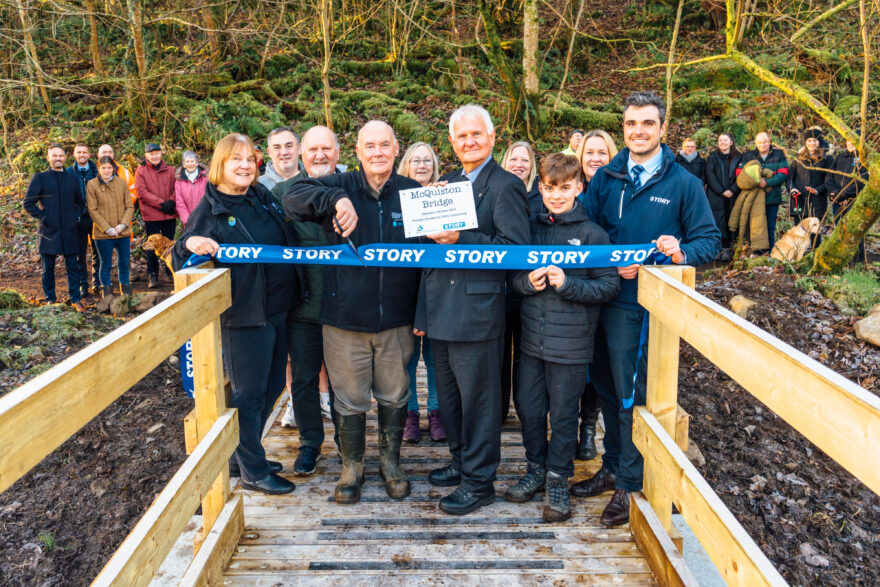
[352, 438]
[586, 448]
[391, 423]
[106, 291]
[154, 281]
[126, 289]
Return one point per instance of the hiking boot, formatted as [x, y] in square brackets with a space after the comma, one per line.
[154, 281]
[391, 421]
[601, 482]
[288, 420]
[528, 485]
[107, 291]
[557, 504]
[617, 511]
[352, 432]
[586, 448]
[435, 424]
[126, 289]
[411, 431]
[306, 461]
[77, 306]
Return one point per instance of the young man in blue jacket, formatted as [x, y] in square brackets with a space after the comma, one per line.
[643, 195]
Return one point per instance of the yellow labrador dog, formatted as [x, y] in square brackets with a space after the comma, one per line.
[795, 243]
[162, 246]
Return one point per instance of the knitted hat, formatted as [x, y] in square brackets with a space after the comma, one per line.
[813, 133]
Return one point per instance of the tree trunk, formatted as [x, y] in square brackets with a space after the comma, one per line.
[33, 59]
[326, 31]
[574, 30]
[211, 31]
[837, 250]
[94, 49]
[670, 61]
[530, 47]
[136, 26]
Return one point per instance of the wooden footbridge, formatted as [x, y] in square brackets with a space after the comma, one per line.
[303, 537]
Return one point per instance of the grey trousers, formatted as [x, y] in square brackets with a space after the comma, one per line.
[361, 363]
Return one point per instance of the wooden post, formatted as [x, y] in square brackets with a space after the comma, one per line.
[662, 398]
[210, 401]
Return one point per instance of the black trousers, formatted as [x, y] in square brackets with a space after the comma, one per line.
[553, 388]
[306, 357]
[256, 361]
[468, 390]
[721, 208]
[589, 400]
[83, 232]
[165, 228]
[510, 359]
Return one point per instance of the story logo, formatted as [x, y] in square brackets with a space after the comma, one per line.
[664, 201]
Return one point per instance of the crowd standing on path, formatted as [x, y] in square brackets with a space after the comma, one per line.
[562, 344]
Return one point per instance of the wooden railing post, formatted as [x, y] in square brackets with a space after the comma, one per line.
[210, 401]
[662, 400]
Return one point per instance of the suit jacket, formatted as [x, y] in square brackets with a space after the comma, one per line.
[467, 305]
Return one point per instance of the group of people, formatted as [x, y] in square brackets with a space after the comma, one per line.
[562, 343]
[745, 206]
[577, 332]
[91, 206]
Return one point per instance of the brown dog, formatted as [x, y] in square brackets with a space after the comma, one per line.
[795, 243]
[162, 246]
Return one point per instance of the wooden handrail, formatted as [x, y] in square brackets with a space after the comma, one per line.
[40, 415]
[733, 551]
[140, 555]
[835, 414]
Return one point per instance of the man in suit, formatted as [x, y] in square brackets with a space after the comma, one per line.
[462, 311]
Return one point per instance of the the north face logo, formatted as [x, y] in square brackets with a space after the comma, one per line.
[574, 242]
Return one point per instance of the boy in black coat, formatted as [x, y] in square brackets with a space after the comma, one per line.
[560, 311]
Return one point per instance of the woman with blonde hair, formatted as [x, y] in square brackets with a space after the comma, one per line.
[596, 150]
[520, 160]
[420, 163]
[237, 210]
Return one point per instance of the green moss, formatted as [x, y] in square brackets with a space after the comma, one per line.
[848, 106]
[859, 290]
[11, 300]
[587, 118]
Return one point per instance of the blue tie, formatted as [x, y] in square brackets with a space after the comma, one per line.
[636, 173]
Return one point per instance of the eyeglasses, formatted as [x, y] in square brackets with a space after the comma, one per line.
[427, 161]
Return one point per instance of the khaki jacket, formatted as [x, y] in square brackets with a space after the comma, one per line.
[748, 219]
[109, 204]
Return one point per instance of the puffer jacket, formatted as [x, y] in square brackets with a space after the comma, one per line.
[558, 324]
[154, 187]
[748, 219]
[188, 194]
[806, 204]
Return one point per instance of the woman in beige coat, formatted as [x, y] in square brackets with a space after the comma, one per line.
[111, 210]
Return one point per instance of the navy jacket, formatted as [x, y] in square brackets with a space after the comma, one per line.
[558, 325]
[59, 210]
[211, 218]
[467, 305]
[362, 299]
[83, 177]
[671, 202]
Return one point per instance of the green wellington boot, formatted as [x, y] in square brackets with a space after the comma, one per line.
[391, 424]
[352, 440]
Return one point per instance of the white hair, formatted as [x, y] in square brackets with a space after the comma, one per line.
[470, 110]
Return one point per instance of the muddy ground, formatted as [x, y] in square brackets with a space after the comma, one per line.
[62, 521]
[813, 520]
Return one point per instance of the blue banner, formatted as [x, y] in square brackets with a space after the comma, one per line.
[443, 256]
[186, 368]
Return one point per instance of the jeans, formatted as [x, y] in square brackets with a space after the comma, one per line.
[772, 214]
[48, 277]
[619, 374]
[106, 246]
[165, 228]
[422, 343]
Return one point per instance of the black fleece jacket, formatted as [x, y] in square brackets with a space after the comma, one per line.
[558, 324]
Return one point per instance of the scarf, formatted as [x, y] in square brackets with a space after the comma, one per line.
[192, 177]
[689, 158]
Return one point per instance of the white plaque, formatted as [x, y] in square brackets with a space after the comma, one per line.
[431, 210]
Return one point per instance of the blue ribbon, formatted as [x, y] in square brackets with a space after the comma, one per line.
[442, 256]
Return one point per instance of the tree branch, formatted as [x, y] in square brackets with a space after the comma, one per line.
[825, 15]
